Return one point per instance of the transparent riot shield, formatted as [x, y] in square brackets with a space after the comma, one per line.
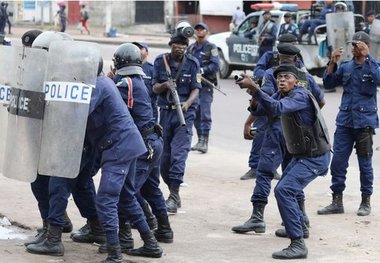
[25, 115]
[374, 48]
[340, 29]
[7, 78]
[71, 75]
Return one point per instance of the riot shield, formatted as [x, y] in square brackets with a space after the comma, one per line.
[340, 29]
[71, 75]
[25, 115]
[374, 48]
[7, 70]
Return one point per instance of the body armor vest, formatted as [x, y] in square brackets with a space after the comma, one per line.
[304, 141]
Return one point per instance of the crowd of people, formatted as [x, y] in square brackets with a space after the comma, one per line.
[136, 135]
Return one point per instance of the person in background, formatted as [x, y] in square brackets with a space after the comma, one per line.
[237, 17]
[266, 34]
[207, 55]
[288, 26]
[84, 16]
[309, 25]
[62, 17]
[370, 16]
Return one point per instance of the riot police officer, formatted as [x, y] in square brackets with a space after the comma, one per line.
[273, 150]
[268, 60]
[40, 187]
[185, 70]
[207, 55]
[127, 61]
[355, 122]
[267, 34]
[148, 70]
[110, 132]
[306, 138]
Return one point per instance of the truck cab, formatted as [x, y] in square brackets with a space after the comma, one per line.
[238, 52]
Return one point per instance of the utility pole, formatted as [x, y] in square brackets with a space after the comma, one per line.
[108, 17]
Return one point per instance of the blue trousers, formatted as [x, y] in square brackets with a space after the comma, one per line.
[177, 143]
[116, 196]
[257, 143]
[40, 190]
[344, 140]
[147, 179]
[297, 175]
[202, 122]
[83, 190]
[272, 154]
[310, 24]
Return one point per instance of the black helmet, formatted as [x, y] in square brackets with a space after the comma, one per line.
[127, 60]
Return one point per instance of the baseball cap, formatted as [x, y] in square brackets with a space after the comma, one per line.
[360, 36]
[201, 25]
[141, 45]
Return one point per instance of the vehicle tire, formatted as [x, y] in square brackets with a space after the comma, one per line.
[224, 68]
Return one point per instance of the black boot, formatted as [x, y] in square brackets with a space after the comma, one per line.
[52, 245]
[255, 223]
[164, 233]
[68, 226]
[174, 201]
[365, 205]
[95, 235]
[196, 146]
[84, 230]
[150, 218]
[203, 147]
[251, 174]
[336, 207]
[301, 205]
[282, 232]
[296, 249]
[150, 249]
[41, 234]
[114, 254]
[125, 239]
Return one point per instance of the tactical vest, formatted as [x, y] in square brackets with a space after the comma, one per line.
[206, 60]
[303, 141]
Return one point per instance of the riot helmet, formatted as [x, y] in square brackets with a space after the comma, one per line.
[45, 38]
[127, 60]
[340, 6]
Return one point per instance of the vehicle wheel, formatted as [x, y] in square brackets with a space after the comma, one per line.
[225, 69]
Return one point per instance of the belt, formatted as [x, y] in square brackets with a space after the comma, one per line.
[169, 107]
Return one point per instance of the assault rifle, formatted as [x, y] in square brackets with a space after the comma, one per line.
[174, 93]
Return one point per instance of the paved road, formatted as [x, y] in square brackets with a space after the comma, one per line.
[216, 199]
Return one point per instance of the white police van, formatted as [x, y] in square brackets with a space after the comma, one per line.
[237, 52]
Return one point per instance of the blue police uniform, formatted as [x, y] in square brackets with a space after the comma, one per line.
[309, 25]
[356, 120]
[113, 143]
[302, 169]
[207, 55]
[177, 139]
[269, 32]
[148, 70]
[147, 173]
[288, 28]
[273, 151]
